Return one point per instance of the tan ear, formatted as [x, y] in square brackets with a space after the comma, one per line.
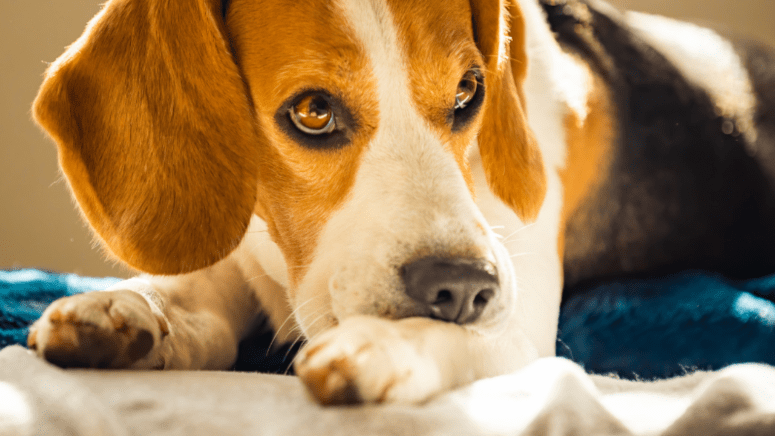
[155, 133]
[510, 154]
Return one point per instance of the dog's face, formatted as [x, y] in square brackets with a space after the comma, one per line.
[346, 126]
[380, 179]
[390, 183]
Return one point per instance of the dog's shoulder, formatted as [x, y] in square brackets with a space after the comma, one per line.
[690, 184]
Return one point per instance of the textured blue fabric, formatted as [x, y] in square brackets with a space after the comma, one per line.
[25, 293]
[634, 328]
[655, 328]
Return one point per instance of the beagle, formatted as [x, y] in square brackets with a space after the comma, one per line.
[405, 186]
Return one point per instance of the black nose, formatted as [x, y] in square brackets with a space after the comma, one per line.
[451, 289]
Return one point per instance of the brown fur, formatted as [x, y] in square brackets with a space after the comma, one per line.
[162, 162]
[510, 154]
[589, 150]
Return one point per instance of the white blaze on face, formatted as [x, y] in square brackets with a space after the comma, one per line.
[409, 198]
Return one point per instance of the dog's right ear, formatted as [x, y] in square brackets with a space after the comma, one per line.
[155, 132]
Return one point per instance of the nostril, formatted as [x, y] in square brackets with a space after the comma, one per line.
[444, 296]
[483, 297]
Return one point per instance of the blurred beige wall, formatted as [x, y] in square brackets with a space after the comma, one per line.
[39, 225]
[746, 17]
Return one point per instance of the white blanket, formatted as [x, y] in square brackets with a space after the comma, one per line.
[550, 397]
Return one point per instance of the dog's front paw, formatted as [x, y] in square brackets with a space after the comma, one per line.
[367, 359]
[108, 329]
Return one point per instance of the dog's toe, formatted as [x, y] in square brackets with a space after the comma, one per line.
[113, 329]
[366, 360]
[332, 383]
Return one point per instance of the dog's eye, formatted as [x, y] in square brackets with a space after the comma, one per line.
[466, 89]
[468, 99]
[313, 115]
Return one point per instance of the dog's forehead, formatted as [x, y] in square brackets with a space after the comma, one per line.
[425, 25]
[317, 44]
[287, 48]
[437, 40]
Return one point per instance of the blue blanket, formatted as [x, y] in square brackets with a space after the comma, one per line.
[643, 329]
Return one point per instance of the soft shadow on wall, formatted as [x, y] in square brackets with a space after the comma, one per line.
[39, 224]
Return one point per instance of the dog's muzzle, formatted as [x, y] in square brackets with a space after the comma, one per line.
[451, 289]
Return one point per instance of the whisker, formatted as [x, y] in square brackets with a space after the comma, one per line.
[300, 343]
[288, 318]
[260, 276]
[492, 228]
[297, 344]
[294, 331]
[515, 232]
[318, 318]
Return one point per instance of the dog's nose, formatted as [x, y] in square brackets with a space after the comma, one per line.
[451, 289]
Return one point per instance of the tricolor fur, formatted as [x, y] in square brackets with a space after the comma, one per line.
[172, 125]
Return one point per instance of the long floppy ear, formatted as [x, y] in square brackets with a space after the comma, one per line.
[155, 133]
[510, 154]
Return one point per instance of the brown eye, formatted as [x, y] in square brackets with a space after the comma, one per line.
[313, 115]
[466, 89]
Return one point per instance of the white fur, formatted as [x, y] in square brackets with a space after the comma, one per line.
[532, 249]
[555, 84]
[261, 247]
[707, 60]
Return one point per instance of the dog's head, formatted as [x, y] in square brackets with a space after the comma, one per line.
[346, 126]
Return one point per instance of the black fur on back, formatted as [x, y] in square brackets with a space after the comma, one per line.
[681, 193]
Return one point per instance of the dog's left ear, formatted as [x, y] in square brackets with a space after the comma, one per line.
[510, 154]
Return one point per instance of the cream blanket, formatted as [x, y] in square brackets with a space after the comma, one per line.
[550, 397]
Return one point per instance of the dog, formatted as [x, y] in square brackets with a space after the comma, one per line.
[405, 186]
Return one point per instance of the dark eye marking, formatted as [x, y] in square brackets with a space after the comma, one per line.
[316, 119]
